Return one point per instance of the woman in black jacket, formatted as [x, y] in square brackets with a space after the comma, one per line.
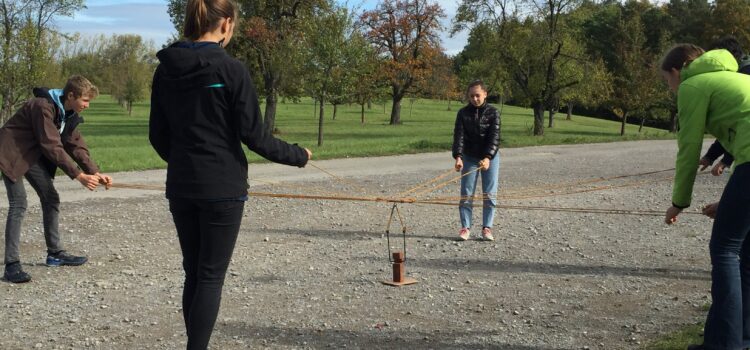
[476, 138]
[203, 108]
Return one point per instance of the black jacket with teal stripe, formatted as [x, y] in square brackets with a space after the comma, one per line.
[203, 108]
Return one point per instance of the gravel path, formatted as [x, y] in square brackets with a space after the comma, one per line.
[306, 274]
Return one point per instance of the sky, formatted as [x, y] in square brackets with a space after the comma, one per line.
[149, 19]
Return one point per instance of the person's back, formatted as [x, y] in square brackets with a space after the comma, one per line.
[212, 108]
[712, 87]
[203, 108]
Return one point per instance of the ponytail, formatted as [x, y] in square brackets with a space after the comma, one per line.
[203, 16]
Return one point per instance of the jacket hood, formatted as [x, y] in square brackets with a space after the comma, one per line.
[187, 64]
[711, 61]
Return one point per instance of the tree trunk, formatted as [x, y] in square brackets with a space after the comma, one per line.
[570, 111]
[130, 108]
[269, 118]
[320, 122]
[449, 104]
[624, 121]
[335, 110]
[369, 104]
[396, 111]
[362, 113]
[538, 119]
[502, 104]
[643, 120]
[551, 117]
[673, 121]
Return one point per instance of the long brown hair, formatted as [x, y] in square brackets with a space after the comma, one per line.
[203, 16]
[680, 56]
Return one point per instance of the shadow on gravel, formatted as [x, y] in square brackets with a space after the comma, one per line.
[560, 269]
[375, 339]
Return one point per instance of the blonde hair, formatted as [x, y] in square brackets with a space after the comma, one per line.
[203, 16]
[80, 86]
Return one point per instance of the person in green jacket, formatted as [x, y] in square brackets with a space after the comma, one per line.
[712, 97]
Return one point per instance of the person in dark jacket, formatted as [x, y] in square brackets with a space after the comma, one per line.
[476, 138]
[38, 139]
[203, 108]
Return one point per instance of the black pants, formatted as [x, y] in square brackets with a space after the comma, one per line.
[207, 231]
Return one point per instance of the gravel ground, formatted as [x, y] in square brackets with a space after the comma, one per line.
[306, 274]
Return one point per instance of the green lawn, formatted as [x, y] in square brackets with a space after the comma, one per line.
[120, 142]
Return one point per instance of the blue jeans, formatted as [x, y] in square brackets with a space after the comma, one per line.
[41, 181]
[728, 320]
[489, 190]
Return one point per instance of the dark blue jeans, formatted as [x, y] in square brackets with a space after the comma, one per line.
[728, 321]
[207, 231]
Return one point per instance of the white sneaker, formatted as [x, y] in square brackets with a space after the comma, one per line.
[487, 234]
[464, 233]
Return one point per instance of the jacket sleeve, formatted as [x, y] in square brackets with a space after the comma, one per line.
[458, 137]
[727, 160]
[714, 151]
[252, 131]
[76, 147]
[692, 105]
[158, 126]
[46, 133]
[493, 135]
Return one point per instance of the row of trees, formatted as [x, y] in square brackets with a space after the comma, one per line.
[33, 53]
[600, 54]
[545, 54]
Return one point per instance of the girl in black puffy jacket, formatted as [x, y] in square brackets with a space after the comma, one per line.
[476, 138]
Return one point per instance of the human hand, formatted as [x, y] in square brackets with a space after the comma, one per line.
[88, 181]
[484, 164]
[105, 180]
[710, 210]
[459, 164]
[704, 163]
[718, 169]
[671, 215]
[309, 154]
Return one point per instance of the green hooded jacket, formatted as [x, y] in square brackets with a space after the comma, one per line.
[712, 97]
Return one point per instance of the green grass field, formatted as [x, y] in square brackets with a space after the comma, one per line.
[119, 142]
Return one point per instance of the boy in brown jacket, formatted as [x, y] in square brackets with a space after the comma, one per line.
[38, 139]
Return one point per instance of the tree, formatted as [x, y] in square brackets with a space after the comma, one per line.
[480, 59]
[270, 40]
[327, 54]
[442, 83]
[618, 30]
[406, 33]
[25, 47]
[130, 66]
[532, 40]
[729, 17]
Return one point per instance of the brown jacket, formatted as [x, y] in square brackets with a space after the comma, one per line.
[32, 133]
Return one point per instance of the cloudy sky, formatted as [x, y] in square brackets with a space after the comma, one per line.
[149, 19]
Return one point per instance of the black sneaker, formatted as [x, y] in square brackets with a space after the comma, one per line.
[62, 258]
[14, 273]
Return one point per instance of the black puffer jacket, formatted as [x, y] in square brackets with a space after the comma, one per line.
[477, 132]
